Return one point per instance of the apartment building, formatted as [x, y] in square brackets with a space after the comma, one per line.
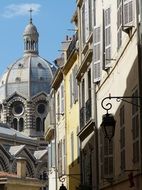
[109, 63]
[101, 75]
[117, 74]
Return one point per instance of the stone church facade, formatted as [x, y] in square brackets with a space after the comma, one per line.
[24, 98]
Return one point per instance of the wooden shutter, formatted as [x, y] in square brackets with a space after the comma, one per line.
[107, 23]
[62, 98]
[108, 158]
[75, 86]
[127, 13]
[49, 156]
[83, 23]
[52, 111]
[97, 54]
[72, 147]
[86, 20]
[60, 157]
[90, 4]
[119, 23]
[53, 152]
[71, 95]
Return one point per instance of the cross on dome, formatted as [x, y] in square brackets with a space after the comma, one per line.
[30, 11]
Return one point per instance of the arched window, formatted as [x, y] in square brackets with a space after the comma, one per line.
[21, 124]
[38, 124]
[15, 123]
[43, 125]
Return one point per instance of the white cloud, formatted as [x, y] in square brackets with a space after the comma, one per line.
[20, 9]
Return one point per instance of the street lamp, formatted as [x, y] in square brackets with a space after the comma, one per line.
[108, 126]
[62, 187]
[108, 121]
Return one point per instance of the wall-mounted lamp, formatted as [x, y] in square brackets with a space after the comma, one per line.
[108, 121]
[108, 126]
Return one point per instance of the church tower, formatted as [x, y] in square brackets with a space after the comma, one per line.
[25, 88]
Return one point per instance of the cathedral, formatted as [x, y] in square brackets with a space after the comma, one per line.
[24, 98]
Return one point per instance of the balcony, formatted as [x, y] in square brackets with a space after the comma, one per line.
[87, 123]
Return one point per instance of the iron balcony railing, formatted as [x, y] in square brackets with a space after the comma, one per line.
[85, 113]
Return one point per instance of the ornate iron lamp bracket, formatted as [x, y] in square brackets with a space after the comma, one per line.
[108, 105]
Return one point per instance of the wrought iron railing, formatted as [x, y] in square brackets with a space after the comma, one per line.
[88, 110]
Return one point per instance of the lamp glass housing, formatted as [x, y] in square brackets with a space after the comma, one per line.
[108, 125]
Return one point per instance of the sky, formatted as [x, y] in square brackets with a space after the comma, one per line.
[52, 19]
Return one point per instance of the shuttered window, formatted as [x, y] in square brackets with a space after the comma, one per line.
[119, 23]
[127, 13]
[107, 25]
[97, 54]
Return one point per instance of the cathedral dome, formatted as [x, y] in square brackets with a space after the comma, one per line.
[30, 74]
[30, 29]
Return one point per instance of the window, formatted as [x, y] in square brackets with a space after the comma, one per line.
[21, 124]
[135, 127]
[127, 13]
[122, 137]
[38, 124]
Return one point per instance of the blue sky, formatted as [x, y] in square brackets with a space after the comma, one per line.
[51, 17]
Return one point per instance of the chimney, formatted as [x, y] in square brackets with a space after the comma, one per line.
[21, 167]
